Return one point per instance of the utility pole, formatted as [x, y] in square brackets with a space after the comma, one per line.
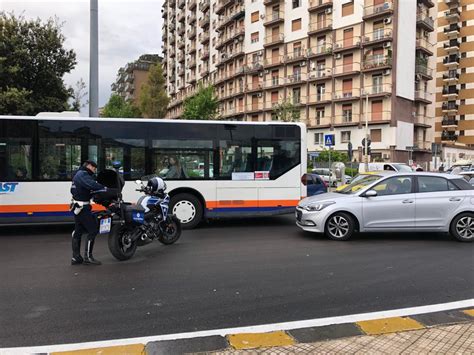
[366, 155]
[94, 60]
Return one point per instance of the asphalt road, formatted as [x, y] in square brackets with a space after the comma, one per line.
[225, 274]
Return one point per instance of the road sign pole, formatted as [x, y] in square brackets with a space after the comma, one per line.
[366, 132]
[329, 188]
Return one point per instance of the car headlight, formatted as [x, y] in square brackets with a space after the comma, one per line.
[318, 206]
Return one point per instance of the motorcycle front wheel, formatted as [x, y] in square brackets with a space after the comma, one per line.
[170, 230]
[120, 243]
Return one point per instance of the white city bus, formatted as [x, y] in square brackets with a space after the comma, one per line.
[212, 168]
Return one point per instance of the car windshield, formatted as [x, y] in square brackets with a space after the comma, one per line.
[403, 168]
[360, 184]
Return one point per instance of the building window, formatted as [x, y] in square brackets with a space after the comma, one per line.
[296, 95]
[347, 113]
[254, 37]
[348, 9]
[345, 136]
[376, 135]
[296, 4]
[296, 25]
[318, 139]
[254, 17]
[377, 110]
[319, 115]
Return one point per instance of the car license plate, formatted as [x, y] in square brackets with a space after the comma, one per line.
[105, 225]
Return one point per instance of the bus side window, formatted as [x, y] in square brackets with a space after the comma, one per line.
[15, 159]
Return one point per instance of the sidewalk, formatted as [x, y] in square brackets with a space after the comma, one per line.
[451, 339]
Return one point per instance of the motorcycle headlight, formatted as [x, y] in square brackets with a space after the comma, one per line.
[318, 206]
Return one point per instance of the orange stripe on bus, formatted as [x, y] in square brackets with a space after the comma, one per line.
[40, 208]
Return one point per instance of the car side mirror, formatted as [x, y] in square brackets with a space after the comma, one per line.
[370, 193]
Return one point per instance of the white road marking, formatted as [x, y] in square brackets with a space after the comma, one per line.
[265, 328]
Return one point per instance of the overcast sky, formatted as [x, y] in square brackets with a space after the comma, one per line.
[127, 29]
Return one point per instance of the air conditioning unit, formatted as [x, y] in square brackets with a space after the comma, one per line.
[338, 56]
[259, 94]
[224, 56]
[329, 11]
[302, 64]
[236, 40]
[386, 156]
[387, 72]
[262, 16]
[260, 53]
[260, 74]
[387, 21]
[387, 44]
[426, 34]
[267, 71]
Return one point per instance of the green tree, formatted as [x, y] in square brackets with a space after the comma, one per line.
[33, 61]
[153, 98]
[286, 111]
[117, 107]
[204, 105]
[335, 156]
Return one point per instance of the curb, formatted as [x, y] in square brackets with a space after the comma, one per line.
[248, 341]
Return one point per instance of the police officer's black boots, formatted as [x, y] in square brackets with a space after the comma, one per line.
[88, 258]
[76, 251]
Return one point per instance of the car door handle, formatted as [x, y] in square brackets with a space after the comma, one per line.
[407, 201]
[454, 199]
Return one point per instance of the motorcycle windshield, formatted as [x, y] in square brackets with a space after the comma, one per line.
[111, 179]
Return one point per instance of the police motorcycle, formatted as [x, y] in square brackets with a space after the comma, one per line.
[132, 225]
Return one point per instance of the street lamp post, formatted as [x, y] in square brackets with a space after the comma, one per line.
[366, 155]
[94, 61]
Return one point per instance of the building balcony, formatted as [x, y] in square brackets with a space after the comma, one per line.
[376, 91]
[181, 16]
[376, 62]
[451, 78]
[424, 72]
[254, 107]
[295, 56]
[348, 118]
[192, 63]
[254, 86]
[181, 71]
[346, 69]
[424, 46]
[449, 122]
[164, 12]
[425, 22]
[227, 38]
[452, 31]
[346, 95]
[191, 4]
[320, 27]
[320, 74]
[205, 21]
[450, 92]
[452, 15]
[181, 4]
[204, 71]
[452, 2]
[204, 38]
[181, 44]
[172, 53]
[270, 2]
[192, 48]
[449, 136]
[316, 5]
[274, 39]
[295, 78]
[452, 47]
[181, 57]
[273, 18]
[423, 121]
[221, 5]
[347, 44]
[192, 33]
[320, 98]
[450, 107]
[451, 62]
[320, 50]
[236, 13]
[204, 5]
[379, 10]
[205, 55]
[379, 36]
[423, 96]
[253, 68]
[428, 3]
[420, 145]
[192, 19]
[273, 83]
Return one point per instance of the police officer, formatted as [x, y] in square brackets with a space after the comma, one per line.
[83, 186]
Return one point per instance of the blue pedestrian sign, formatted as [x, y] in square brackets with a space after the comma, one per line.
[329, 140]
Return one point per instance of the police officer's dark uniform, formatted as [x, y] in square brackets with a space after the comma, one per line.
[83, 185]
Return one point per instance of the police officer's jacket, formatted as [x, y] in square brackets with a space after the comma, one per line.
[84, 185]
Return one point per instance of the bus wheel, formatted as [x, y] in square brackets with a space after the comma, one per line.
[188, 209]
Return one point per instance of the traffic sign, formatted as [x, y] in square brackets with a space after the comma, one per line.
[329, 140]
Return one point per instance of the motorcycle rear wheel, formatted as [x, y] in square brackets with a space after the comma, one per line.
[120, 245]
[171, 231]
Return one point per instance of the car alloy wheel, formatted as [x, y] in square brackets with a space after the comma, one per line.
[465, 227]
[338, 227]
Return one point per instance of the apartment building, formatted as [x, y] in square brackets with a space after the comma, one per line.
[131, 77]
[455, 80]
[339, 62]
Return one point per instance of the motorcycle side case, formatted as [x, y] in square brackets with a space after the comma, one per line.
[134, 214]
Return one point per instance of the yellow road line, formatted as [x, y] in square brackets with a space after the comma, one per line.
[134, 349]
[469, 312]
[389, 325]
[259, 340]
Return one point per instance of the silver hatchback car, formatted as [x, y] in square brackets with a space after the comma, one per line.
[389, 201]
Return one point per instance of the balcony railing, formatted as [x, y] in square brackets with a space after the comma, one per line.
[447, 106]
[422, 43]
[376, 89]
[319, 74]
[295, 78]
[346, 68]
[448, 121]
[273, 17]
[379, 9]
[449, 136]
[425, 21]
[347, 117]
[204, 21]
[423, 95]
[320, 97]
[321, 49]
[204, 5]
[273, 82]
[295, 55]
[232, 16]
[378, 35]
[347, 94]
[423, 70]
[451, 61]
[320, 26]
[452, 46]
[451, 77]
[452, 15]
[377, 61]
[274, 39]
[255, 86]
[347, 43]
[453, 29]
[229, 36]
[450, 92]
[315, 5]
